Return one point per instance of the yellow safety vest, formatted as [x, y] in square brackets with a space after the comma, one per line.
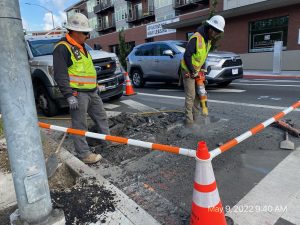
[82, 73]
[199, 57]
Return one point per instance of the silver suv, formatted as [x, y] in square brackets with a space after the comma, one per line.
[160, 61]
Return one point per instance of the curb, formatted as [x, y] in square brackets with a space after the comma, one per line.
[264, 76]
[127, 211]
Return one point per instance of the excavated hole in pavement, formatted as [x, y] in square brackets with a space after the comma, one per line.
[162, 128]
[81, 199]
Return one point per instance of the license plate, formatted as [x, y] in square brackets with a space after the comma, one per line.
[101, 88]
[235, 71]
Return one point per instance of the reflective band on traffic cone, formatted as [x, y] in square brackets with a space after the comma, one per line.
[129, 88]
[207, 207]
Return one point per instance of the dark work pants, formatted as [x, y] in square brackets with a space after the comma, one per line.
[91, 103]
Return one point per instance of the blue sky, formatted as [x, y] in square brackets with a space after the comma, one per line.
[36, 18]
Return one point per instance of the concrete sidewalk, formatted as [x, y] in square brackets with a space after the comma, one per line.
[265, 74]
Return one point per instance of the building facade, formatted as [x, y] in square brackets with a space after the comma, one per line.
[252, 26]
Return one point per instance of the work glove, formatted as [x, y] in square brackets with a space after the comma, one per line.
[194, 75]
[73, 103]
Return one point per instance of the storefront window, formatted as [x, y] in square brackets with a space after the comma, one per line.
[263, 33]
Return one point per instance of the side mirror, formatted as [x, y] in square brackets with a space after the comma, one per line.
[97, 47]
[168, 52]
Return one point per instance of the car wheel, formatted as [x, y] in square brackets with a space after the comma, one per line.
[224, 84]
[45, 103]
[116, 97]
[137, 79]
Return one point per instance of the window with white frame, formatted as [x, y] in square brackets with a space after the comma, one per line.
[120, 14]
[162, 3]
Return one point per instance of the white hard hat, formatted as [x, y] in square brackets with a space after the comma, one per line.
[217, 22]
[78, 22]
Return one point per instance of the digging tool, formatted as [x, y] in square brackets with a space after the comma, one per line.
[52, 161]
[202, 95]
[287, 127]
[287, 144]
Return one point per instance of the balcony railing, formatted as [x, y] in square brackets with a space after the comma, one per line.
[139, 16]
[106, 26]
[103, 6]
[177, 4]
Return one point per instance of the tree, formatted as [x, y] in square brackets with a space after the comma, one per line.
[124, 48]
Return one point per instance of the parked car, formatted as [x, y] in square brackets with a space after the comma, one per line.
[49, 99]
[160, 61]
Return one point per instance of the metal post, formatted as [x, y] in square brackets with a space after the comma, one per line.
[20, 119]
[277, 57]
[52, 20]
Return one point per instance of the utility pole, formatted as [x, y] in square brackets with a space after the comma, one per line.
[20, 123]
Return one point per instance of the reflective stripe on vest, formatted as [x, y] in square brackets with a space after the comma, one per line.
[199, 57]
[82, 73]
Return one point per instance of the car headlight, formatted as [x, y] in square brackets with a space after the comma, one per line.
[118, 65]
[213, 59]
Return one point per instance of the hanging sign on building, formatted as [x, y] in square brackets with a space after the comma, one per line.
[156, 29]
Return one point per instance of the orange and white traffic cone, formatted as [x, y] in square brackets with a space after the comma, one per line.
[129, 89]
[207, 207]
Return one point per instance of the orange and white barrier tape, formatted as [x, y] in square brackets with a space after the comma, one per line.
[122, 140]
[207, 207]
[230, 144]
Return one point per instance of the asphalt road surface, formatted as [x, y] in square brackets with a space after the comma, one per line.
[165, 191]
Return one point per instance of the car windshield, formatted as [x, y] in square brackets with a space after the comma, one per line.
[42, 47]
[46, 47]
[180, 45]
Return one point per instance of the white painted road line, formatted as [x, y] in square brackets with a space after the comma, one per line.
[167, 90]
[225, 90]
[269, 85]
[275, 196]
[222, 102]
[139, 106]
[268, 80]
[110, 106]
[111, 114]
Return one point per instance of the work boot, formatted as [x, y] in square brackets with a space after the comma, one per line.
[92, 158]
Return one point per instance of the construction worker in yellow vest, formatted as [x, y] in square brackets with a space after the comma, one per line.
[76, 78]
[194, 57]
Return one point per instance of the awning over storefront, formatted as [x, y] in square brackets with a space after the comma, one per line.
[239, 11]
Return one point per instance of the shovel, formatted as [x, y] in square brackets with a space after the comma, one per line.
[287, 144]
[52, 161]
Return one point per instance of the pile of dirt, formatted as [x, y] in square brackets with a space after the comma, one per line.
[84, 202]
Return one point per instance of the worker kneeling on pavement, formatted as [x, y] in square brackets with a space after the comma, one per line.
[76, 77]
[194, 57]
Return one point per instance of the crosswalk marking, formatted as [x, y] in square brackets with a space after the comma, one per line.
[139, 106]
[226, 90]
[222, 102]
[110, 106]
[274, 196]
[111, 114]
